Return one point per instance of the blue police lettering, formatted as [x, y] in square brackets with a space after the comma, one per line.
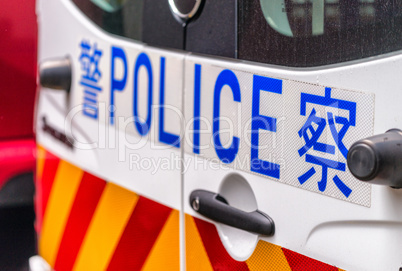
[164, 137]
[143, 127]
[197, 108]
[117, 85]
[258, 121]
[226, 77]
[312, 141]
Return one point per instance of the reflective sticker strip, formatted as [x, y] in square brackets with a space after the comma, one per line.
[204, 251]
[91, 224]
[219, 258]
[298, 263]
[61, 199]
[40, 164]
[40, 161]
[141, 231]
[44, 184]
[283, 130]
[196, 256]
[86, 200]
[265, 250]
[104, 232]
[163, 255]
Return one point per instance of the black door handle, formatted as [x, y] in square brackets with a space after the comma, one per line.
[215, 207]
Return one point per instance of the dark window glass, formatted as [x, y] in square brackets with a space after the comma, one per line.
[109, 5]
[305, 33]
[120, 17]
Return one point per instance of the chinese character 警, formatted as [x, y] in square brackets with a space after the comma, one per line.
[89, 59]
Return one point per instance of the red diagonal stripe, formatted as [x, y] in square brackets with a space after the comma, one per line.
[220, 259]
[299, 262]
[44, 186]
[86, 200]
[143, 227]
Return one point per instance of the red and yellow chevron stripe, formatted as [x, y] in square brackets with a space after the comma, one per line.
[86, 223]
[205, 251]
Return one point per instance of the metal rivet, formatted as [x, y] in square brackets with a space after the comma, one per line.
[184, 15]
[196, 204]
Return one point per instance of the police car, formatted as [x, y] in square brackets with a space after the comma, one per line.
[219, 135]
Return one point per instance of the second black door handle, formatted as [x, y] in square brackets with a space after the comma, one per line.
[215, 207]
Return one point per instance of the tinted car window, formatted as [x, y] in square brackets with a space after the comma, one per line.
[109, 5]
[298, 33]
[305, 33]
[120, 17]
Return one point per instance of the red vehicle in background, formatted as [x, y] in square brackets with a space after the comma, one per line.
[18, 46]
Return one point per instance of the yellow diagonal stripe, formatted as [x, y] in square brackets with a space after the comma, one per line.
[40, 161]
[66, 183]
[165, 254]
[268, 256]
[108, 223]
[196, 256]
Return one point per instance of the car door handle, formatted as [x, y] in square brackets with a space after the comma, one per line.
[215, 207]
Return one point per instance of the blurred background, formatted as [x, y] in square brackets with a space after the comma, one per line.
[18, 43]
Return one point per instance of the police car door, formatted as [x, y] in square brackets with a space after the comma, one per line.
[108, 178]
[266, 181]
